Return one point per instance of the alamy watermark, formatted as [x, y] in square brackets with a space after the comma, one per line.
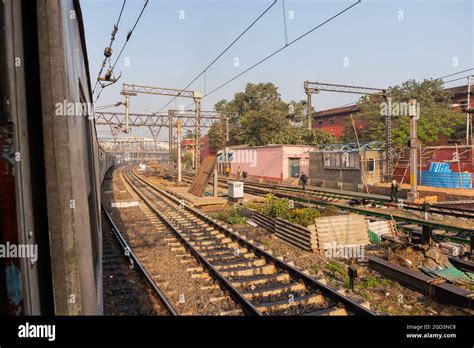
[72, 109]
[10, 250]
[400, 109]
[244, 156]
[37, 331]
[344, 251]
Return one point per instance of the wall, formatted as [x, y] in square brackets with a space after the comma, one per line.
[379, 166]
[263, 162]
[301, 152]
[345, 178]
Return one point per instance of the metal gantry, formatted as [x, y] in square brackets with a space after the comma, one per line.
[156, 121]
[316, 87]
[132, 89]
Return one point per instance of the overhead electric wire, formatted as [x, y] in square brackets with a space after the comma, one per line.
[129, 35]
[279, 50]
[222, 53]
[459, 78]
[459, 72]
[110, 44]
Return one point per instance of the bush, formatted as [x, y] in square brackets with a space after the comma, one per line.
[280, 207]
[303, 216]
[232, 216]
[276, 207]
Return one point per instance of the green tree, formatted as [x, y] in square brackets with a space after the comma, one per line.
[189, 134]
[258, 116]
[216, 136]
[187, 160]
[436, 117]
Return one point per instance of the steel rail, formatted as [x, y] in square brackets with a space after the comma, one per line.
[456, 212]
[124, 245]
[326, 290]
[247, 306]
[255, 188]
[437, 288]
[362, 211]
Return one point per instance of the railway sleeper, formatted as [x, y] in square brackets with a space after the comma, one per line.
[216, 237]
[262, 279]
[217, 246]
[249, 271]
[210, 241]
[241, 263]
[198, 233]
[280, 289]
[331, 311]
[284, 304]
[229, 256]
[213, 254]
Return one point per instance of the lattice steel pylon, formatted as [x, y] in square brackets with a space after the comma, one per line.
[132, 89]
[316, 87]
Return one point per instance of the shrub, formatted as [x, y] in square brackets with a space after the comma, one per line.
[232, 216]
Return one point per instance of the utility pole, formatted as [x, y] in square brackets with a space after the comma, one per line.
[468, 114]
[413, 113]
[309, 109]
[170, 140]
[197, 130]
[388, 136]
[226, 142]
[127, 96]
[178, 128]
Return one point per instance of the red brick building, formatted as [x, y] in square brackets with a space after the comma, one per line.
[187, 145]
[459, 97]
[335, 121]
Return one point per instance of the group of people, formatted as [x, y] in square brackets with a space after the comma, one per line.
[241, 174]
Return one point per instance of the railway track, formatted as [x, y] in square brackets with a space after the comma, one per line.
[124, 291]
[260, 283]
[439, 290]
[308, 198]
[353, 199]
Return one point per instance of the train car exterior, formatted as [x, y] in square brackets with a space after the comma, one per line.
[51, 164]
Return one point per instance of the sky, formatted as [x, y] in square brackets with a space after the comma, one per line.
[377, 43]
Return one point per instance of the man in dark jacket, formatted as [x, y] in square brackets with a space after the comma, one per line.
[244, 175]
[303, 180]
[394, 187]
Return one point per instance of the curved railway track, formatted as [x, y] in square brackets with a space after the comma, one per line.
[260, 283]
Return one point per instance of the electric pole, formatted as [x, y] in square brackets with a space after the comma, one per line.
[413, 113]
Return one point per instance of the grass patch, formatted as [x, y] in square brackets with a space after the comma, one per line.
[367, 282]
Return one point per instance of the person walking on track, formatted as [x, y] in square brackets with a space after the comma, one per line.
[303, 180]
[394, 188]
